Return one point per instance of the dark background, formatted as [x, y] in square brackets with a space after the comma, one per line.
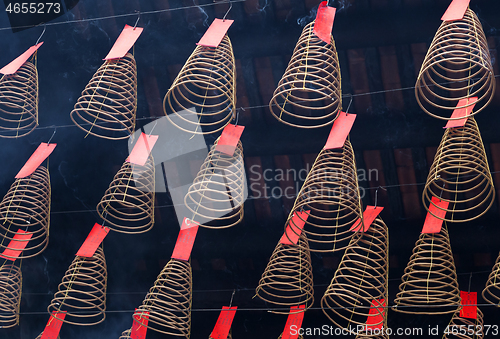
[381, 44]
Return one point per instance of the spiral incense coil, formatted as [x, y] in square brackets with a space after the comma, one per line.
[491, 292]
[309, 94]
[474, 327]
[108, 104]
[460, 175]
[169, 300]
[331, 195]
[126, 334]
[360, 280]
[19, 102]
[457, 66]
[10, 295]
[217, 194]
[429, 283]
[288, 279]
[202, 98]
[26, 207]
[82, 292]
[128, 203]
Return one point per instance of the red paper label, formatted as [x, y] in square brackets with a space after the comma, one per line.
[369, 215]
[14, 65]
[433, 224]
[184, 243]
[340, 130]
[456, 10]
[295, 320]
[215, 33]
[461, 112]
[94, 239]
[125, 41]
[139, 328]
[223, 324]
[53, 326]
[324, 22]
[469, 303]
[292, 232]
[140, 153]
[229, 139]
[376, 315]
[36, 159]
[16, 245]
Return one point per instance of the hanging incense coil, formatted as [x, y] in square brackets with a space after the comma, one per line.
[10, 295]
[457, 66]
[217, 193]
[491, 292]
[360, 280]
[330, 198]
[460, 175]
[26, 207]
[108, 104]
[457, 323]
[126, 334]
[128, 203]
[169, 300]
[429, 283]
[202, 98]
[309, 94]
[19, 102]
[288, 279]
[82, 292]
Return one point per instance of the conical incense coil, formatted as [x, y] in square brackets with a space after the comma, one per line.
[429, 283]
[26, 207]
[202, 98]
[108, 104]
[128, 203]
[457, 66]
[10, 295]
[491, 292]
[360, 280]
[126, 334]
[217, 193]
[19, 102]
[474, 327]
[82, 292]
[331, 195]
[169, 300]
[460, 175]
[288, 279]
[309, 94]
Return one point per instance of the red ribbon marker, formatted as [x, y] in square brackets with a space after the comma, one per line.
[431, 223]
[185, 240]
[53, 326]
[16, 245]
[292, 232]
[215, 33]
[223, 324]
[125, 41]
[94, 239]
[15, 64]
[294, 319]
[456, 10]
[36, 159]
[369, 215]
[324, 22]
[340, 130]
[142, 148]
[229, 139]
[469, 303]
[461, 112]
[139, 326]
[376, 315]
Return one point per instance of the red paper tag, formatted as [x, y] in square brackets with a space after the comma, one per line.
[139, 328]
[292, 232]
[53, 326]
[229, 139]
[433, 224]
[36, 159]
[376, 315]
[324, 22]
[340, 130]
[16, 245]
[223, 324]
[14, 65]
[184, 243]
[94, 239]
[369, 215]
[215, 33]
[140, 153]
[469, 303]
[461, 112]
[456, 10]
[294, 319]
[125, 41]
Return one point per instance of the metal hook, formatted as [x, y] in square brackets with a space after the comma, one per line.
[232, 296]
[138, 18]
[237, 117]
[44, 28]
[104, 219]
[470, 280]
[350, 102]
[230, 6]
[156, 123]
[376, 195]
[55, 130]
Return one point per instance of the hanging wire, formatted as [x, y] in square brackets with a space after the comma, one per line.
[55, 130]
[138, 18]
[376, 195]
[44, 28]
[230, 6]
